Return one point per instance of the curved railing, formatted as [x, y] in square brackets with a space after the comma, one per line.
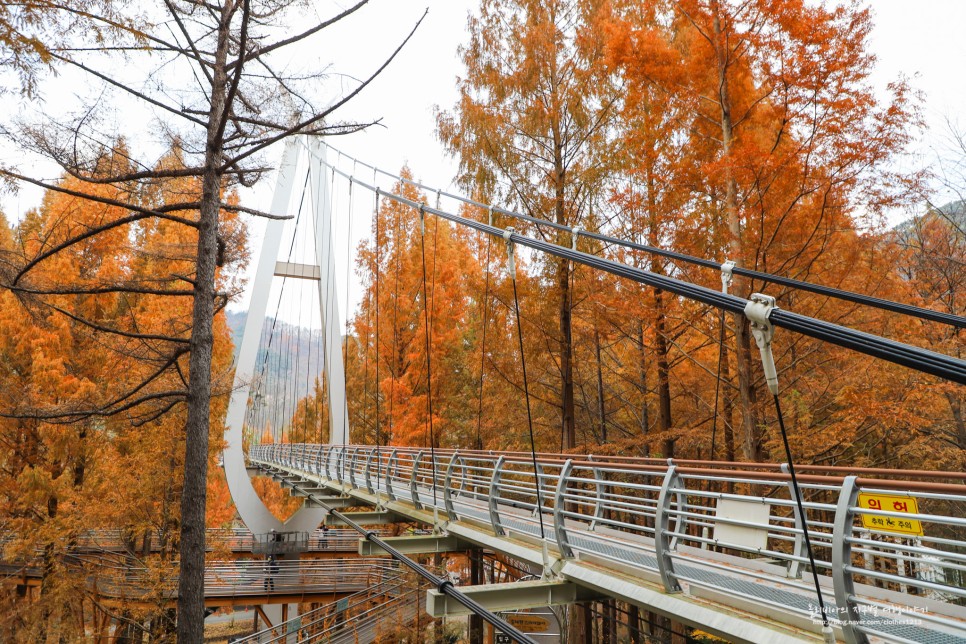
[890, 545]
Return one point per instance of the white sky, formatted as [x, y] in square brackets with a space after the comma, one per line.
[922, 40]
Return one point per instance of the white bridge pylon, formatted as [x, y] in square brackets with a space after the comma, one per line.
[300, 159]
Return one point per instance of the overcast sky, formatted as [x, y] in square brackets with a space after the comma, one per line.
[921, 40]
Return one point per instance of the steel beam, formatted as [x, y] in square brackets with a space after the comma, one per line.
[331, 502]
[515, 595]
[297, 271]
[419, 544]
[364, 518]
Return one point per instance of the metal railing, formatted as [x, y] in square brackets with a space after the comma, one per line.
[237, 541]
[349, 618]
[117, 577]
[890, 545]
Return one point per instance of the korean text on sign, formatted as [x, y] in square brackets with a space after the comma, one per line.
[890, 503]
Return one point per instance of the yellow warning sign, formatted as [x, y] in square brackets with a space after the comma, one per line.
[529, 623]
[890, 503]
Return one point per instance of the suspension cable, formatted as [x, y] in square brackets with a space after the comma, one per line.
[378, 306]
[717, 383]
[486, 299]
[906, 355]
[857, 298]
[512, 273]
[799, 505]
[759, 311]
[726, 278]
[429, 361]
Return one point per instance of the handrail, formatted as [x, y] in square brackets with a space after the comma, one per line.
[708, 526]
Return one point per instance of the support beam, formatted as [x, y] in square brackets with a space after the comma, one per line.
[297, 271]
[420, 544]
[331, 502]
[515, 595]
[364, 518]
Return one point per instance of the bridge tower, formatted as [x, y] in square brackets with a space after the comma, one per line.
[300, 159]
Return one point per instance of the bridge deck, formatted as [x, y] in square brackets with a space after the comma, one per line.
[750, 596]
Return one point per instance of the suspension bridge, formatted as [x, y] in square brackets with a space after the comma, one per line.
[748, 552]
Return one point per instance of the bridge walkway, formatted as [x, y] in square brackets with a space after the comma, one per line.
[598, 530]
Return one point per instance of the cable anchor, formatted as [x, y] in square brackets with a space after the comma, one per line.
[727, 275]
[511, 269]
[758, 310]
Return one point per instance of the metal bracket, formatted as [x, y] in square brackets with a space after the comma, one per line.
[574, 236]
[490, 212]
[511, 269]
[559, 510]
[757, 311]
[422, 221]
[842, 581]
[727, 275]
[794, 570]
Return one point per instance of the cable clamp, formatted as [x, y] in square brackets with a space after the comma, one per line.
[511, 269]
[422, 220]
[574, 236]
[758, 311]
[438, 193]
[490, 210]
[727, 275]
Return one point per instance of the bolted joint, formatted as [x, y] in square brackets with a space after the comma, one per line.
[727, 275]
[511, 268]
[758, 310]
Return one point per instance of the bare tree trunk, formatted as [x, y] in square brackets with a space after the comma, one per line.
[568, 422]
[601, 410]
[645, 415]
[191, 590]
[664, 421]
[475, 625]
[751, 439]
[634, 623]
[727, 407]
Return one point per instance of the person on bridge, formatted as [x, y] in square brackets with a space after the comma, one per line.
[323, 543]
[271, 569]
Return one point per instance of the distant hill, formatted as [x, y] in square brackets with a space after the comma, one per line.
[295, 355]
[954, 211]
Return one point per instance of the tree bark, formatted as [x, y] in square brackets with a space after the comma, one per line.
[751, 438]
[601, 409]
[568, 438]
[645, 415]
[191, 590]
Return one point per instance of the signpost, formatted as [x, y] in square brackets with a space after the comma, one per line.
[529, 623]
[890, 503]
